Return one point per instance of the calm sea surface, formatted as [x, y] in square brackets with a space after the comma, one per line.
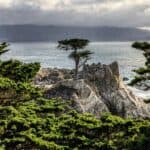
[105, 52]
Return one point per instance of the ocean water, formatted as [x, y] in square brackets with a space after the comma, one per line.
[105, 52]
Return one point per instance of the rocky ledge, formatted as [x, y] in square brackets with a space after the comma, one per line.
[99, 89]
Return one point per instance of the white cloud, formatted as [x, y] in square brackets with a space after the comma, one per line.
[76, 12]
[145, 28]
[5, 3]
[147, 11]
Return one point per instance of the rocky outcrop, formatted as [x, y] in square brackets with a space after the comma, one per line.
[82, 97]
[48, 76]
[119, 100]
[98, 90]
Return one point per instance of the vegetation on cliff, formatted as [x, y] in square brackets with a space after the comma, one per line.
[30, 122]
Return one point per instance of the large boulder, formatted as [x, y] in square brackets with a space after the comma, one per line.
[99, 89]
[82, 97]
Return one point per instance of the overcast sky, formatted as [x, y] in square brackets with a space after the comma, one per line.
[135, 13]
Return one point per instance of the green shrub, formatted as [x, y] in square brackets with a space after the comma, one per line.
[18, 71]
[11, 93]
[45, 124]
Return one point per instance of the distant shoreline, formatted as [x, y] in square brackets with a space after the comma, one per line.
[30, 33]
[55, 42]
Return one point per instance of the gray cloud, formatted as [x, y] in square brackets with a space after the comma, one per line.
[76, 12]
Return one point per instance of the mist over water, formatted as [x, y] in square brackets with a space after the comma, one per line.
[105, 52]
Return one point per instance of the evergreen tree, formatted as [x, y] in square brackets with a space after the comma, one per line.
[79, 57]
[143, 74]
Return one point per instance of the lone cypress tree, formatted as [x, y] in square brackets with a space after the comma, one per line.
[143, 74]
[79, 57]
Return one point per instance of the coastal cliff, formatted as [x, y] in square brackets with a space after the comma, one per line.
[99, 89]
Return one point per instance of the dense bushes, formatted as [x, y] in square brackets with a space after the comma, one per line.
[12, 93]
[15, 78]
[42, 124]
[18, 71]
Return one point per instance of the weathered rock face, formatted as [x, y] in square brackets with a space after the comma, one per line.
[118, 99]
[98, 90]
[48, 76]
[82, 97]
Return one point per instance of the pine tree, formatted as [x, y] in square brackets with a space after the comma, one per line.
[79, 57]
[143, 74]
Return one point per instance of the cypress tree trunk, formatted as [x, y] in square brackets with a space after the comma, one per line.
[76, 69]
[76, 65]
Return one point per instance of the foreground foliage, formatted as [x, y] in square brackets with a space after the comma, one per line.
[43, 124]
[13, 93]
[18, 71]
[15, 78]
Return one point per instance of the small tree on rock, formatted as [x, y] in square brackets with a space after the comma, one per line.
[79, 57]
